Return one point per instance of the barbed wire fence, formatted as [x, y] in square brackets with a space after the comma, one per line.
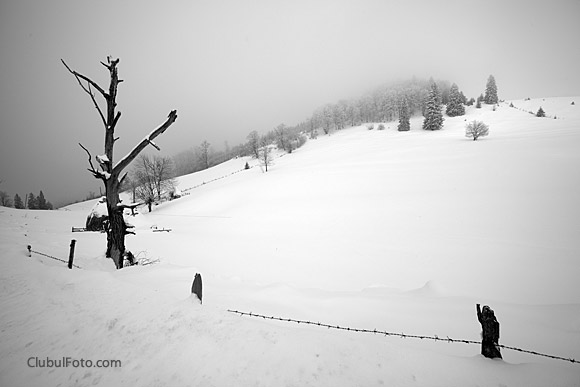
[69, 262]
[401, 335]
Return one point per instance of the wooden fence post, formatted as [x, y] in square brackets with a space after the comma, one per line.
[29, 250]
[71, 255]
[490, 332]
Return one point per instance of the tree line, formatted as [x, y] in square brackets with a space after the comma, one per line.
[30, 201]
[390, 102]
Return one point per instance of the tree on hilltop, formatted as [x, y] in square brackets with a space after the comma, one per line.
[254, 144]
[265, 152]
[433, 116]
[490, 91]
[455, 105]
[41, 201]
[31, 202]
[204, 154]
[18, 202]
[541, 112]
[404, 117]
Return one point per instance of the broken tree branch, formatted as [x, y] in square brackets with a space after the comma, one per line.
[92, 169]
[125, 161]
[85, 78]
[88, 90]
[154, 145]
[114, 124]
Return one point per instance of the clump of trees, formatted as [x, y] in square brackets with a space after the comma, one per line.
[394, 101]
[476, 129]
[204, 156]
[384, 104]
[30, 202]
[152, 179]
[38, 202]
[5, 200]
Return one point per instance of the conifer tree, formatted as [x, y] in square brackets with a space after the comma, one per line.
[18, 202]
[541, 112]
[490, 91]
[455, 105]
[404, 116]
[41, 201]
[31, 202]
[433, 116]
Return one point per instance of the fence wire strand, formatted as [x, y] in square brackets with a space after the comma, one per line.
[401, 335]
[51, 257]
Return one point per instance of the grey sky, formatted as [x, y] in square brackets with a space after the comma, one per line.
[230, 67]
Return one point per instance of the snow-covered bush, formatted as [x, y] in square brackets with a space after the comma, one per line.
[98, 215]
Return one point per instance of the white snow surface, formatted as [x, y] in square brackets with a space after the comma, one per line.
[402, 232]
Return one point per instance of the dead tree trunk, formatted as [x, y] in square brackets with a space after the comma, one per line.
[109, 174]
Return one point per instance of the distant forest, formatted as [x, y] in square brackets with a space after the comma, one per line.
[383, 104]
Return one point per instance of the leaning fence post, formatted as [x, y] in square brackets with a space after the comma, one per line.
[196, 287]
[71, 255]
[490, 332]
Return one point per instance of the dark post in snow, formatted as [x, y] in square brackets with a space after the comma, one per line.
[490, 334]
[29, 250]
[196, 288]
[71, 254]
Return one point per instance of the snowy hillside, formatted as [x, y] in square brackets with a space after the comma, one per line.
[401, 232]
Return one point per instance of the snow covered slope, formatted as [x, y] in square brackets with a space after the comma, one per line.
[402, 232]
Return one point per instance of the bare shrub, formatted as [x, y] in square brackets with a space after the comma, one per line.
[476, 129]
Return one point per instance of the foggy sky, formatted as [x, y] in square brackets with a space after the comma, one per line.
[230, 67]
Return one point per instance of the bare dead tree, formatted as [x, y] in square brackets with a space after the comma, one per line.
[153, 177]
[265, 153]
[109, 173]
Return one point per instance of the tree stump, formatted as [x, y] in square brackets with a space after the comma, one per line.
[490, 332]
[196, 288]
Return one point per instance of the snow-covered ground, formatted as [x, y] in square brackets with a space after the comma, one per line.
[402, 232]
